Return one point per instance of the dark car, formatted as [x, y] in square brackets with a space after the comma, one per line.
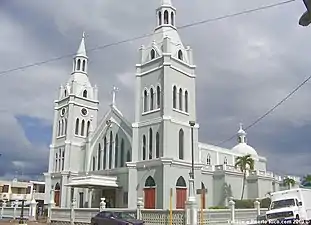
[115, 218]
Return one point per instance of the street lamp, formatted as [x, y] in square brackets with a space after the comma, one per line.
[21, 218]
[192, 123]
[305, 19]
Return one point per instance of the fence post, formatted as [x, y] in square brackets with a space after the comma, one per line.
[32, 210]
[257, 206]
[2, 209]
[15, 209]
[232, 210]
[140, 205]
[50, 206]
[102, 204]
[72, 211]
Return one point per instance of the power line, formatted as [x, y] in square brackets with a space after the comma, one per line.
[148, 35]
[270, 110]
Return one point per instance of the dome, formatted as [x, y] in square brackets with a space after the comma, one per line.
[244, 149]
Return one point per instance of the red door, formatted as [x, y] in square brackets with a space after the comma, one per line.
[181, 195]
[149, 198]
[56, 198]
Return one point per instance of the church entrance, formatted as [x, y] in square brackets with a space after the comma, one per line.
[181, 193]
[150, 193]
[57, 194]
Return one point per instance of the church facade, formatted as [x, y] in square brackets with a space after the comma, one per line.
[121, 161]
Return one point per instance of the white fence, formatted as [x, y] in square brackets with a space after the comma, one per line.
[14, 212]
[159, 216]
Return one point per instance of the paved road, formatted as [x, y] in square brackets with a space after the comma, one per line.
[10, 221]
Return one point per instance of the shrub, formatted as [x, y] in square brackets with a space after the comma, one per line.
[249, 203]
[218, 207]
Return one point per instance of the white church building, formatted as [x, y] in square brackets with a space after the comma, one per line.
[121, 160]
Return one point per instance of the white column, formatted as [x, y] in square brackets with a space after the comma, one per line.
[90, 195]
[191, 205]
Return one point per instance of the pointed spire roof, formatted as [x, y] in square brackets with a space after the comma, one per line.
[82, 50]
[166, 3]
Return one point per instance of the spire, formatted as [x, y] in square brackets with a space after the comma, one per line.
[81, 50]
[166, 14]
[241, 134]
[166, 3]
[80, 59]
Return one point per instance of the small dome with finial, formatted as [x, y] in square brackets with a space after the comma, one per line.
[242, 147]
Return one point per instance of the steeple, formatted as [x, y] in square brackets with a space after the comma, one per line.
[241, 134]
[166, 15]
[80, 59]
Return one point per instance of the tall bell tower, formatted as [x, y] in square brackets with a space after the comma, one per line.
[75, 112]
[165, 96]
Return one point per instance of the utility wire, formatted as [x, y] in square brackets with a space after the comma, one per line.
[270, 110]
[148, 35]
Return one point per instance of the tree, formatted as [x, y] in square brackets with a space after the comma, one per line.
[289, 182]
[244, 163]
[306, 180]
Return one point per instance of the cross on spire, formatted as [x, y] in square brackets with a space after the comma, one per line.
[114, 92]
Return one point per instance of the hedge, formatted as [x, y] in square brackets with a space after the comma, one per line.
[246, 204]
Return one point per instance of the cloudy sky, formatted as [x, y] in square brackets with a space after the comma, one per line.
[245, 65]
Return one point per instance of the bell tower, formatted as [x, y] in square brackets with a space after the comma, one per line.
[75, 111]
[165, 93]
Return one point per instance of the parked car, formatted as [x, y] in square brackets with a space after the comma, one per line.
[115, 218]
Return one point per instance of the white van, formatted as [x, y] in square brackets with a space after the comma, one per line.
[293, 204]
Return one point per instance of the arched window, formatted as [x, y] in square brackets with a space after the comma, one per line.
[150, 143]
[83, 65]
[180, 99]
[208, 159]
[152, 54]
[56, 161]
[88, 127]
[186, 101]
[65, 126]
[85, 94]
[225, 161]
[63, 159]
[78, 64]
[105, 153]
[181, 144]
[59, 128]
[165, 17]
[82, 128]
[174, 96]
[110, 150]
[151, 99]
[144, 147]
[94, 163]
[99, 157]
[116, 152]
[172, 19]
[158, 97]
[157, 145]
[180, 55]
[145, 101]
[122, 153]
[128, 156]
[160, 18]
[77, 127]
[62, 125]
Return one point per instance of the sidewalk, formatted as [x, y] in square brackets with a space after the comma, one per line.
[13, 222]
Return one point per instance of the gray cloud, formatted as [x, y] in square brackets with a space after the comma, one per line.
[245, 65]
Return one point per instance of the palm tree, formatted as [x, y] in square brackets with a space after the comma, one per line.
[289, 182]
[244, 163]
[306, 180]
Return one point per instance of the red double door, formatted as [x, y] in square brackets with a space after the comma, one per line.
[181, 197]
[149, 198]
[57, 197]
